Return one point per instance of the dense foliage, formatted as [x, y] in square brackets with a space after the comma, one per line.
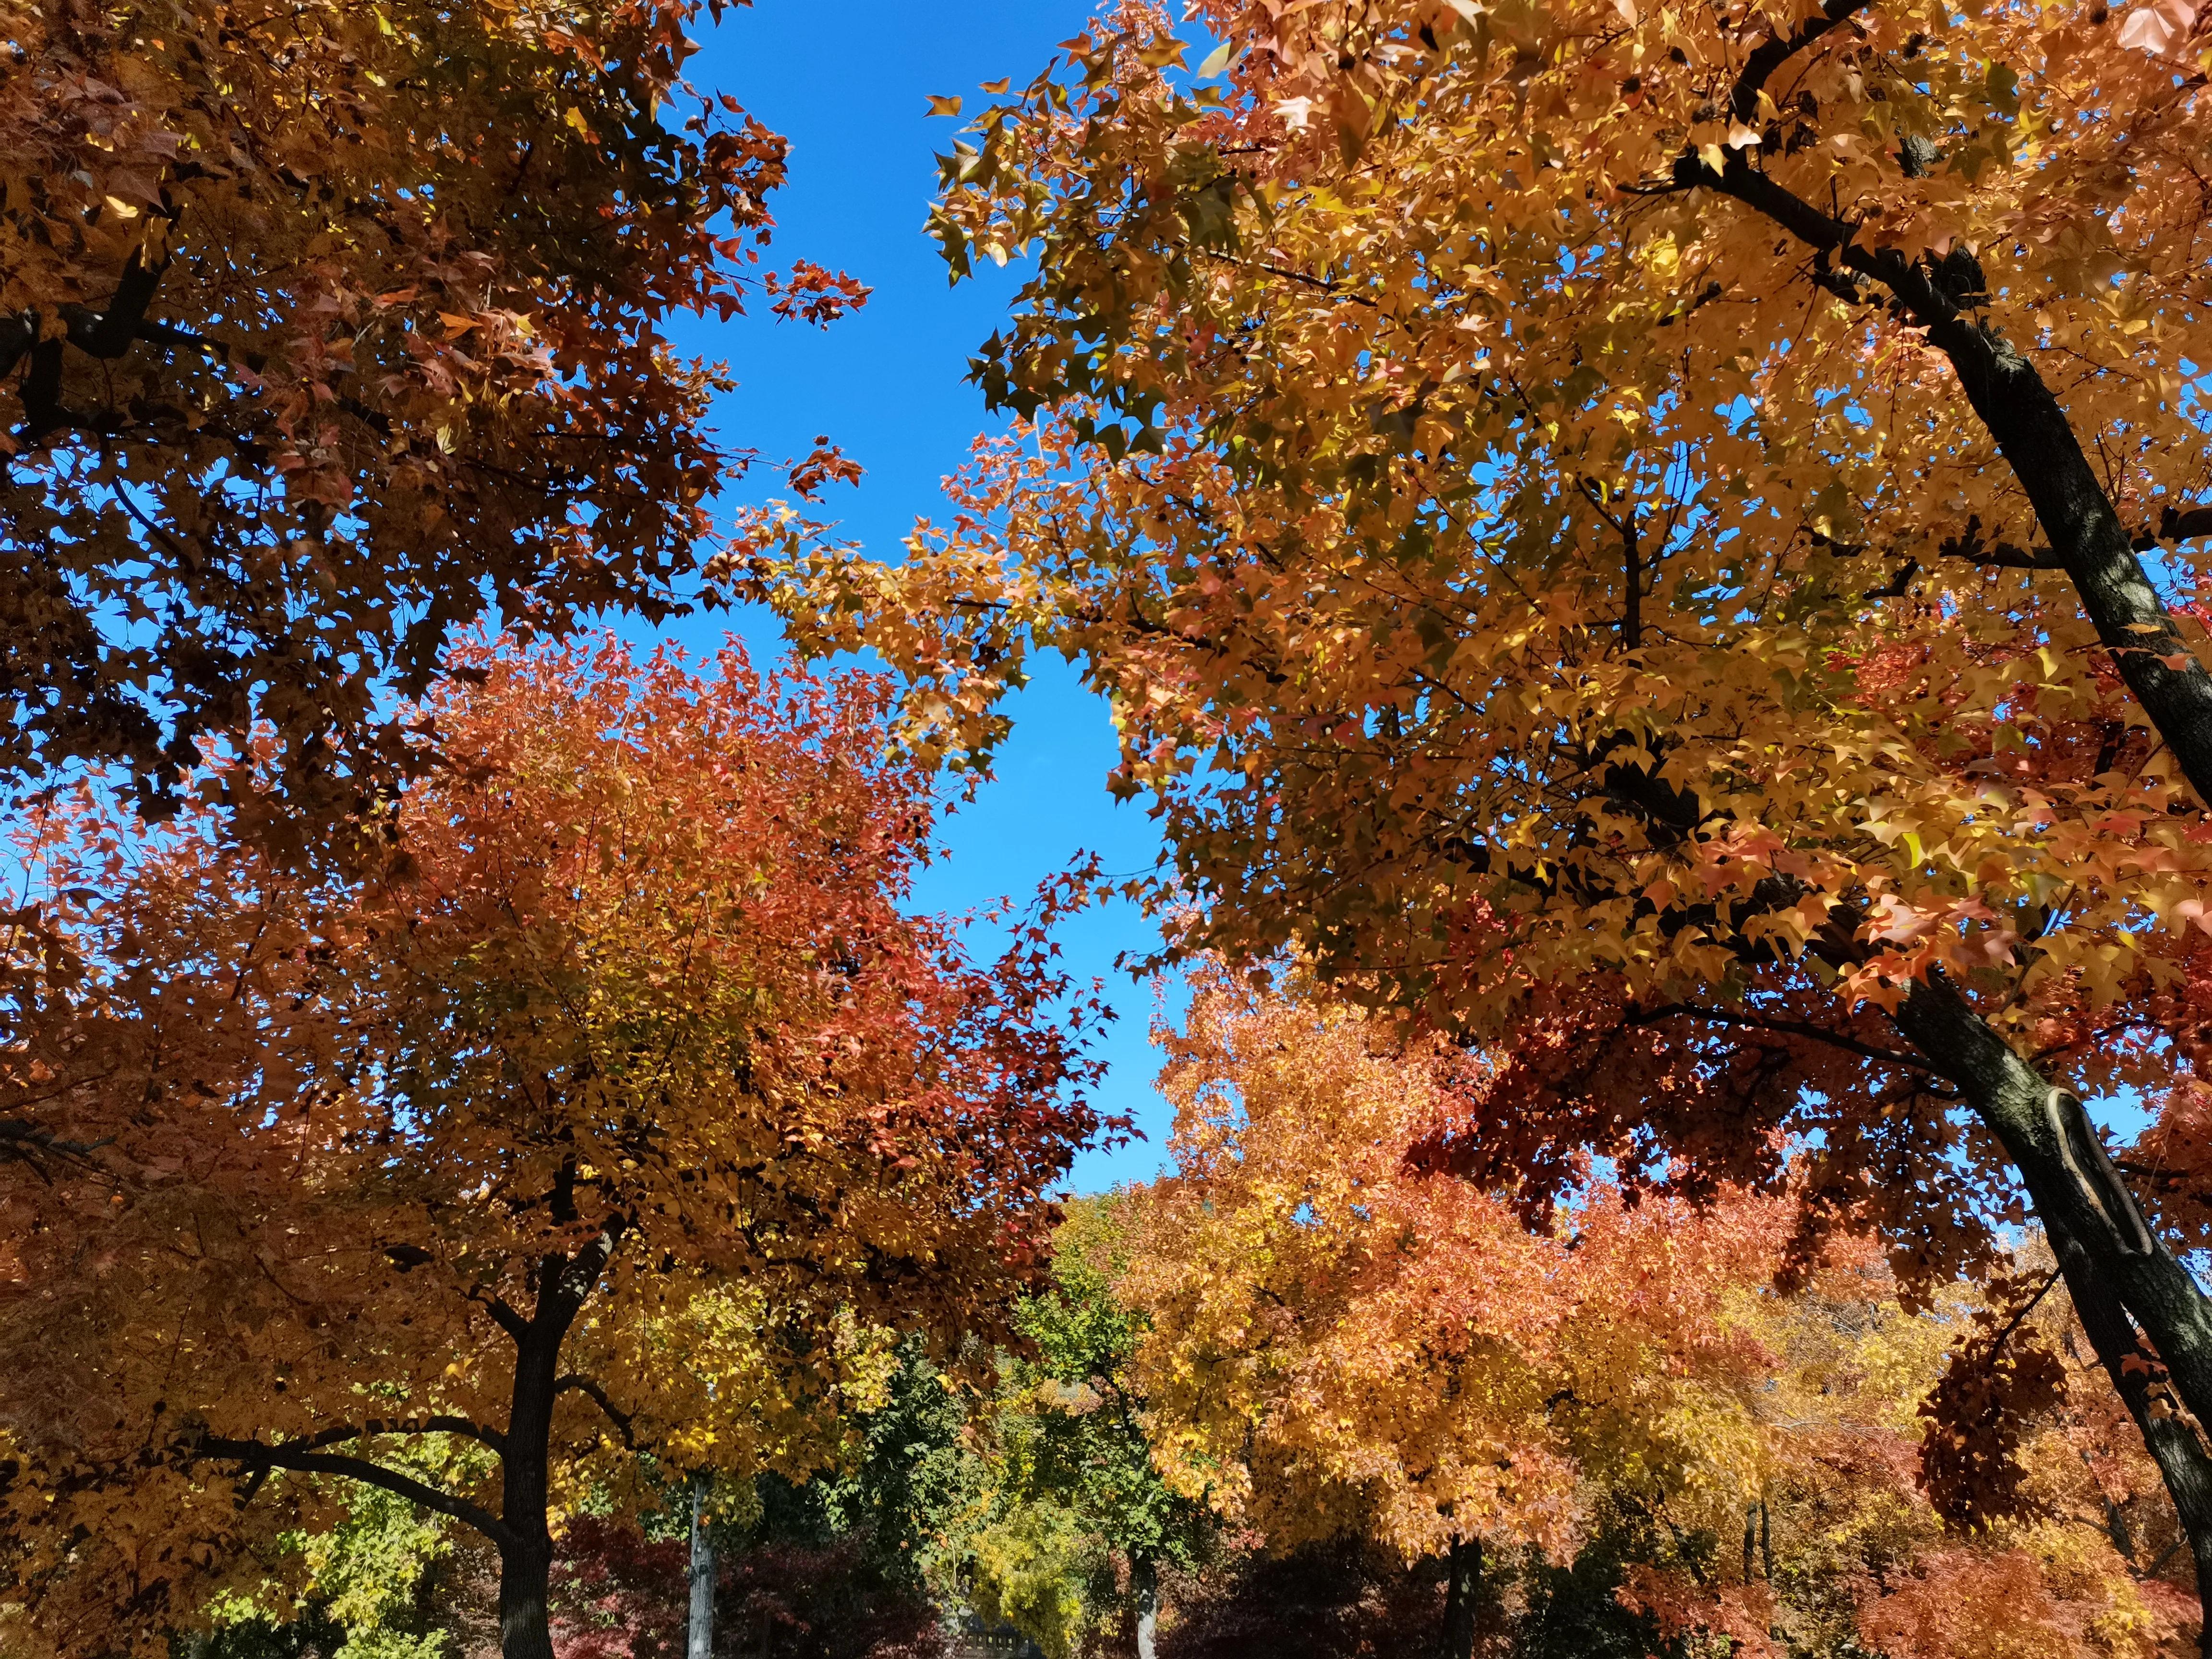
[1071, 1524]
[1344, 1346]
[1649, 564]
[1585, 512]
[618, 1114]
[332, 329]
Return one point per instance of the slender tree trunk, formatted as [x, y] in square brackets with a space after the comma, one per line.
[1145, 1593]
[700, 1643]
[1462, 1586]
[2093, 547]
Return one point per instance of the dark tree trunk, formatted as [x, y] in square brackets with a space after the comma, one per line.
[1463, 1587]
[2119, 1272]
[526, 1554]
[2114, 1263]
[2033, 434]
[2071, 1180]
[2180, 1456]
[525, 1565]
[524, 1574]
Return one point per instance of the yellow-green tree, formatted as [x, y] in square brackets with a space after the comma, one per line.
[1071, 1525]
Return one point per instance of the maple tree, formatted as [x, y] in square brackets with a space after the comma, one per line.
[1553, 490]
[1337, 1342]
[625, 1110]
[333, 329]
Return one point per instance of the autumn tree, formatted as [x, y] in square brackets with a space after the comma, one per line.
[1070, 1525]
[332, 329]
[1553, 494]
[1339, 1344]
[624, 1111]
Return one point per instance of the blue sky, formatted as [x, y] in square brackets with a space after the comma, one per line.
[849, 86]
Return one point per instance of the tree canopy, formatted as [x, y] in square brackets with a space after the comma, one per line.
[1337, 1344]
[618, 1113]
[1586, 514]
[333, 329]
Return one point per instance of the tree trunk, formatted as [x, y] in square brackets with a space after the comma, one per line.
[2034, 435]
[2115, 1265]
[2180, 1456]
[1145, 1595]
[525, 1560]
[700, 1642]
[524, 1574]
[525, 1563]
[1463, 1585]
[2071, 1180]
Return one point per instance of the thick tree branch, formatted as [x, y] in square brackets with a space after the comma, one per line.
[19, 332]
[501, 1314]
[254, 1455]
[2034, 436]
[1777, 50]
[109, 334]
[2176, 524]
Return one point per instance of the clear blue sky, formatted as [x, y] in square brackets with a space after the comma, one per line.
[848, 86]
